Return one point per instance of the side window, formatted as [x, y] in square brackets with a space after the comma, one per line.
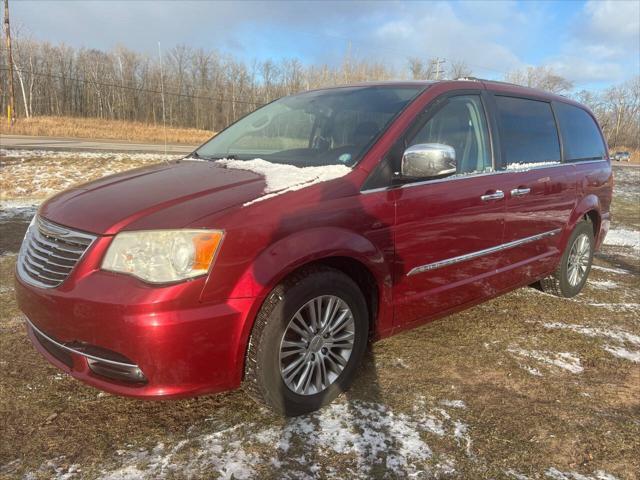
[528, 132]
[580, 135]
[461, 124]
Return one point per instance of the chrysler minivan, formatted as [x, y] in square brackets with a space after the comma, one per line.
[270, 256]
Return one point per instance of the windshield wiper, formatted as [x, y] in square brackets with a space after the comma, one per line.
[197, 156]
[226, 157]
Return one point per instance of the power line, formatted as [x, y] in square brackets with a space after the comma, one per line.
[139, 89]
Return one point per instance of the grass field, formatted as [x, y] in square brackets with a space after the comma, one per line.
[527, 386]
[96, 128]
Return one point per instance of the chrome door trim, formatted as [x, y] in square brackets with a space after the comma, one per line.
[73, 350]
[480, 253]
[465, 176]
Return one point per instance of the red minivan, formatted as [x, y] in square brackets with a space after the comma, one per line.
[271, 255]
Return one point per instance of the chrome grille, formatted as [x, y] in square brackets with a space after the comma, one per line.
[49, 252]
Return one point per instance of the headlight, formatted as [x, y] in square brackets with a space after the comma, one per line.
[163, 256]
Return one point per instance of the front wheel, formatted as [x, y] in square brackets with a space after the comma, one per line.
[571, 275]
[307, 341]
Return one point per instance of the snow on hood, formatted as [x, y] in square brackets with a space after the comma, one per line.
[282, 178]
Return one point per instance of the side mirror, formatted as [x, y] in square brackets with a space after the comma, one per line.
[428, 160]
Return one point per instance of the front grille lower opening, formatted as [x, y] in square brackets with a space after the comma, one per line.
[59, 353]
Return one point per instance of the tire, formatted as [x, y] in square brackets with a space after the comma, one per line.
[564, 282]
[268, 356]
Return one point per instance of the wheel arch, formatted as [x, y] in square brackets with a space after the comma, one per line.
[341, 249]
[587, 208]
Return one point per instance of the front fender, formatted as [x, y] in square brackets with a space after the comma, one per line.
[301, 248]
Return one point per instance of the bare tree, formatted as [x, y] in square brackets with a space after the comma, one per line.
[541, 77]
[205, 89]
[459, 69]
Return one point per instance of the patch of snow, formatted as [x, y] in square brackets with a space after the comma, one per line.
[564, 360]
[556, 474]
[620, 271]
[453, 403]
[281, 178]
[365, 435]
[617, 307]
[399, 362]
[532, 370]
[623, 237]
[619, 336]
[527, 166]
[462, 437]
[18, 209]
[518, 476]
[621, 352]
[603, 284]
[28, 154]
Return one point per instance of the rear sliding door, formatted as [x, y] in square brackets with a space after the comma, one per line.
[540, 189]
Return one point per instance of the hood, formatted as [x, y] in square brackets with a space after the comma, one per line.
[184, 190]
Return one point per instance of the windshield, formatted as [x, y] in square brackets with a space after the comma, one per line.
[325, 127]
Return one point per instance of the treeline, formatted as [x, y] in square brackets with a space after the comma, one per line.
[206, 89]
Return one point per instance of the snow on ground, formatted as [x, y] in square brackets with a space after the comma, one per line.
[37, 174]
[623, 237]
[18, 209]
[48, 154]
[603, 284]
[282, 178]
[361, 435]
[618, 271]
[616, 307]
[564, 360]
[627, 345]
[555, 474]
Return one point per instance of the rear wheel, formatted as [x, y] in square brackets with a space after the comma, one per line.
[307, 342]
[575, 264]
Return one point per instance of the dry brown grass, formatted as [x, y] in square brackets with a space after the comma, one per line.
[95, 128]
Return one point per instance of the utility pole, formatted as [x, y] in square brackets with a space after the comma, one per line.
[438, 62]
[7, 30]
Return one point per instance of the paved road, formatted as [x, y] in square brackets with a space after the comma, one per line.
[87, 145]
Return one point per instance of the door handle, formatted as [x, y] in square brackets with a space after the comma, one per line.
[520, 192]
[497, 195]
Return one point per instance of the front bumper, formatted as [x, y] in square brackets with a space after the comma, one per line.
[181, 345]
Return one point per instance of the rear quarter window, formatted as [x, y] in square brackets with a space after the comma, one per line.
[528, 131]
[580, 135]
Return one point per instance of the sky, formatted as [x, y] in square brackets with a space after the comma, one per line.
[592, 43]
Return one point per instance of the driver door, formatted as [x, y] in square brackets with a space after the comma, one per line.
[447, 228]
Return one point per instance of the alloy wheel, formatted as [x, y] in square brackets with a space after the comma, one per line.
[578, 261]
[316, 345]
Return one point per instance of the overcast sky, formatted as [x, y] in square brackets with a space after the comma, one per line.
[593, 43]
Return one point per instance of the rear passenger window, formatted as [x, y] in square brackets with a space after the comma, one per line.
[527, 132]
[580, 134]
